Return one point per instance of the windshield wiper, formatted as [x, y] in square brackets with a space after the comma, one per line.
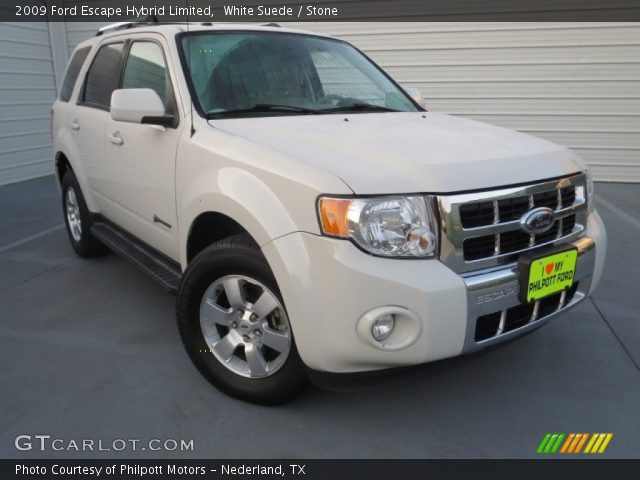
[361, 107]
[264, 108]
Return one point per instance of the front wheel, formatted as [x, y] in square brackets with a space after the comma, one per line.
[234, 324]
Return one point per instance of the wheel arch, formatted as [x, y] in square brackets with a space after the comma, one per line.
[209, 227]
[66, 161]
[227, 202]
[62, 166]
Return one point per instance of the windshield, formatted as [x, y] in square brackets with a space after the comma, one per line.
[270, 73]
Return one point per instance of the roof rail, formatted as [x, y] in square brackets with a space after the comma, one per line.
[153, 20]
[139, 22]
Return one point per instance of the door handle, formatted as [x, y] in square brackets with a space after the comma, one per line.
[75, 125]
[115, 138]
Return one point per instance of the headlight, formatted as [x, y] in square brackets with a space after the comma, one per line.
[391, 226]
[590, 193]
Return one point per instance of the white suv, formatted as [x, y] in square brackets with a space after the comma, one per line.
[309, 212]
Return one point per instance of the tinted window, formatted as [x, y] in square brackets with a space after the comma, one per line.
[103, 76]
[238, 71]
[72, 73]
[146, 68]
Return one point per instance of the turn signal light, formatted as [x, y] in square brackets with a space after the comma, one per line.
[333, 215]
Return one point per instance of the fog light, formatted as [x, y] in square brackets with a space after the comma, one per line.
[382, 327]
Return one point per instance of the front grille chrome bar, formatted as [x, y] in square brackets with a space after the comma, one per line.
[515, 224]
[497, 247]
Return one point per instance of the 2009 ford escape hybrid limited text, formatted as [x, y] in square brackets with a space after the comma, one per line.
[308, 211]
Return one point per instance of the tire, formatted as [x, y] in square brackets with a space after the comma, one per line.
[78, 219]
[226, 334]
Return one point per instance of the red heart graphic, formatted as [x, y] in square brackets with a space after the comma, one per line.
[549, 268]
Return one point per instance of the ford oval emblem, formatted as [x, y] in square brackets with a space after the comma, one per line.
[538, 220]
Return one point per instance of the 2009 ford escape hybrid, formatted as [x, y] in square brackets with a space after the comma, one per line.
[308, 211]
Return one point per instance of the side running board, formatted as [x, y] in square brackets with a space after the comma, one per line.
[163, 270]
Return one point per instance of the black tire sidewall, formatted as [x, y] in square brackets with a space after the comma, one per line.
[83, 246]
[205, 269]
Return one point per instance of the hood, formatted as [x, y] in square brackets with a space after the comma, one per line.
[379, 153]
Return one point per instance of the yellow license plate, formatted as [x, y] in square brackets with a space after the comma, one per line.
[551, 274]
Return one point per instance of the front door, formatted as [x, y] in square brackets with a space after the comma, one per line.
[141, 158]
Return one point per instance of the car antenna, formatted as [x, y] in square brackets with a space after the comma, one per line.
[192, 131]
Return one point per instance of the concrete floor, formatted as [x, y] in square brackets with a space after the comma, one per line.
[90, 349]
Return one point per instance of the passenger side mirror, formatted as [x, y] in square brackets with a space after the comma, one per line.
[139, 105]
[416, 95]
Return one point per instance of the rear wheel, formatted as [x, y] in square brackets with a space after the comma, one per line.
[78, 219]
[234, 324]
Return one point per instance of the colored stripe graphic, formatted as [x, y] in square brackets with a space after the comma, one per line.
[581, 442]
[551, 442]
[604, 445]
[543, 443]
[598, 442]
[555, 447]
[567, 443]
[591, 442]
[573, 443]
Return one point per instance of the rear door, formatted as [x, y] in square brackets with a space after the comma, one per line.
[88, 119]
[140, 159]
[64, 110]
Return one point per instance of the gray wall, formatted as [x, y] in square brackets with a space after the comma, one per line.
[27, 90]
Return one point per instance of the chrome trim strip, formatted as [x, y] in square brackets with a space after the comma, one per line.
[503, 320]
[563, 298]
[536, 311]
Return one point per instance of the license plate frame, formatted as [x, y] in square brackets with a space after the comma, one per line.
[546, 272]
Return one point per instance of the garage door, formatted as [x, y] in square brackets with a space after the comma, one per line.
[27, 90]
[577, 84]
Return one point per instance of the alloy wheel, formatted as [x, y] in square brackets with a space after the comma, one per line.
[245, 326]
[73, 214]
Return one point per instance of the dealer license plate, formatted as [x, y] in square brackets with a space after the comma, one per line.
[548, 275]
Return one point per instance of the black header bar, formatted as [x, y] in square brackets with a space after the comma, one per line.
[322, 10]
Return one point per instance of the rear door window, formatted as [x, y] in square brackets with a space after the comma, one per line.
[103, 76]
[75, 65]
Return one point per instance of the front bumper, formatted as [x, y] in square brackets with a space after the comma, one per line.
[329, 286]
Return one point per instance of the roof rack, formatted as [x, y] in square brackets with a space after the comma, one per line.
[153, 20]
[139, 22]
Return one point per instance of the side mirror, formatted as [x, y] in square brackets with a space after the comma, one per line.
[139, 105]
[416, 95]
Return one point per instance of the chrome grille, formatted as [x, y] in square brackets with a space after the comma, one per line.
[504, 321]
[482, 230]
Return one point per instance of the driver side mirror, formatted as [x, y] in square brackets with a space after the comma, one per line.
[139, 105]
[416, 95]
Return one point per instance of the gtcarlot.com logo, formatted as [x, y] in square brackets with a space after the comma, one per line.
[44, 443]
[573, 443]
